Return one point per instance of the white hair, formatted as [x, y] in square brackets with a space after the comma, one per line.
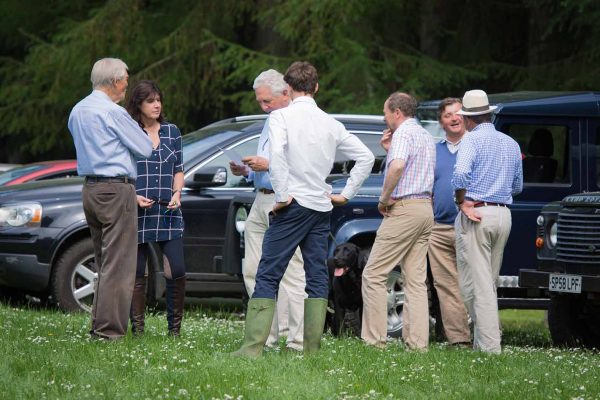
[106, 71]
[271, 79]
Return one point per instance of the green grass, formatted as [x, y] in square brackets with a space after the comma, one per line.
[47, 355]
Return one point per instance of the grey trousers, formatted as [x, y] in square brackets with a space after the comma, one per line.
[111, 213]
[479, 251]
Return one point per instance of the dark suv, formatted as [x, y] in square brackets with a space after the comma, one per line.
[45, 245]
[568, 250]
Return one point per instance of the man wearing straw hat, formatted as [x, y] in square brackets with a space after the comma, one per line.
[488, 172]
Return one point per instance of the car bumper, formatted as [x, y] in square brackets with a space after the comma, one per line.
[540, 279]
[23, 271]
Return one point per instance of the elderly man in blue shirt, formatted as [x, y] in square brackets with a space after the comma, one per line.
[107, 141]
[488, 172]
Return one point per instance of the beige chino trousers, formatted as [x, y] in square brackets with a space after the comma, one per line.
[401, 239]
[442, 260]
[291, 294]
[479, 252]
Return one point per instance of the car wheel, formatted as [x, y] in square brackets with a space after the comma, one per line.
[395, 304]
[563, 320]
[74, 276]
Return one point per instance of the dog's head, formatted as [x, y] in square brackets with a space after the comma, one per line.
[345, 258]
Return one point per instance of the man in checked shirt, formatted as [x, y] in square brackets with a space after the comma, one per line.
[488, 172]
[403, 236]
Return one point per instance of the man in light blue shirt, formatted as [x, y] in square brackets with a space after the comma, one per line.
[488, 172]
[107, 140]
[271, 94]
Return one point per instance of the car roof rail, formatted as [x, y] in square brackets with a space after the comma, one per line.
[256, 117]
[262, 117]
[358, 117]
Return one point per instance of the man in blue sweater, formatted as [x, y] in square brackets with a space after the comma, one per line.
[442, 249]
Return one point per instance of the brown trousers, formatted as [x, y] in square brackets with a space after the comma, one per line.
[442, 259]
[401, 239]
[111, 213]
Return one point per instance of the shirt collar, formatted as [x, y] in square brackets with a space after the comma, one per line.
[484, 125]
[304, 99]
[409, 121]
[100, 94]
[445, 140]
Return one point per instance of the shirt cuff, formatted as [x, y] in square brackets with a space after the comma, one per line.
[281, 197]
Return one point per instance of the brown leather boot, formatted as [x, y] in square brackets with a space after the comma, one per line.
[138, 306]
[175, 302]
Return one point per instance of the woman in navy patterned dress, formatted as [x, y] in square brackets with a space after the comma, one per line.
[158, 187]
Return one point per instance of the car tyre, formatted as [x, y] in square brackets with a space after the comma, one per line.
[563, 321]
[395, 304]
[73, 278]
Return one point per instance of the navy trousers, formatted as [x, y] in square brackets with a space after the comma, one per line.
[295, 226]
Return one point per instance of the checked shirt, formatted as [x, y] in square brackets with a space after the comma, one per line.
[413, 144]
[488, 166]
[155, 182]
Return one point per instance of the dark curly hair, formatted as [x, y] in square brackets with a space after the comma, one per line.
[142, 91]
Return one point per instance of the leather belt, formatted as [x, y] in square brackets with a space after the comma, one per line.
[487, 203]
[266, 191]
[110, 179]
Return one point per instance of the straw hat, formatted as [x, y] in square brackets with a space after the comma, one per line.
[475, 102]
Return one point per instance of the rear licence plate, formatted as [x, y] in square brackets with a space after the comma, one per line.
[565, 283]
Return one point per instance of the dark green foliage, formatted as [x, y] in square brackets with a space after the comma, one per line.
[205, 54]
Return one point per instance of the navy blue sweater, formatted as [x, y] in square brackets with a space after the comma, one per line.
[444, 209]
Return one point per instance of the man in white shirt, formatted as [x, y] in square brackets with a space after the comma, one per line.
[304, 140]
[271, 94]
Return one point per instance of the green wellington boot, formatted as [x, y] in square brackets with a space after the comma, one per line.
[315, 311]
[259, 318]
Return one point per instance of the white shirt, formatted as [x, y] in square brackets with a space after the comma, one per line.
[304, 140]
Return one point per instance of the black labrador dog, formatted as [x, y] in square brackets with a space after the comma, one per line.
[345, 295]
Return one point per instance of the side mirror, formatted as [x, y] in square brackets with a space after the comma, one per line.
[208, 177]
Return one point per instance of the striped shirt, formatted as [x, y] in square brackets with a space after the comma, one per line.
[155, 182]
[413, 144]
[488, 166]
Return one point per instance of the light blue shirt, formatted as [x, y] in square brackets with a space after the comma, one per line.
[488, 166]
[107, 140]
[262, 180]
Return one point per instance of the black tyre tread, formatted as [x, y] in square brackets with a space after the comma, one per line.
[61, 275]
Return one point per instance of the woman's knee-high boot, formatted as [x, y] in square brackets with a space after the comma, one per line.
[175, 304]
[138, 306]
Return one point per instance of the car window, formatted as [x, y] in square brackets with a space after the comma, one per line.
[245, 148]
[18, 172]
[544, 150]
[597, 157]
[200, 141]
[343, 165]
[62, 174]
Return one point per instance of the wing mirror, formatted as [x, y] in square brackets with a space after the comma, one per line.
[208, 177]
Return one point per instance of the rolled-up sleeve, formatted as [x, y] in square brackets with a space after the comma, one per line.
[517, 186]
[178, 151]
[278, 166]
[354, 149]
[129, 132]
[463, 167]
